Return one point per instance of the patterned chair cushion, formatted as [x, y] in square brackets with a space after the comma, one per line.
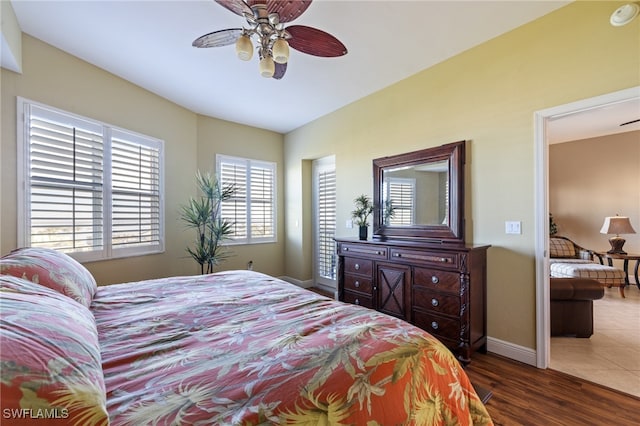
[50, 355]
[606, 275]
[561, 248]
[52, 269]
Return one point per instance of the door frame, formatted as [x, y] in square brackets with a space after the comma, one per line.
[541, 146]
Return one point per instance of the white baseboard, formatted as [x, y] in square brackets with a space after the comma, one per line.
[299, 283]
[512, 351]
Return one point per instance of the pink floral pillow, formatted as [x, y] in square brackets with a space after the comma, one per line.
[50, 356]
[52, 269]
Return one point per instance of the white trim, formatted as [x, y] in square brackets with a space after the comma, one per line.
[511, 351]
[299, 283]
[541, 119]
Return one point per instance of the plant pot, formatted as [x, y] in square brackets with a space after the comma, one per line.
[363, 231]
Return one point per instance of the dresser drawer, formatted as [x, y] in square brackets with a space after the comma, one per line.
[437, 325]
[430, 258]
[358, 266]
[358, 299]
[368, 251]
[437, 280]
[443, 303]
[356, 283]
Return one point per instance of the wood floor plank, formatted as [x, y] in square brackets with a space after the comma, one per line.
[525, 395]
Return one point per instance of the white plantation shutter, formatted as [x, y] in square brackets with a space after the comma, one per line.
[66, 177]
[401, 192]
[326, 222]
[89, 189]
[252, 208]
[135, 192]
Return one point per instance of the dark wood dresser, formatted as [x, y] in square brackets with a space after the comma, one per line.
[440, 288]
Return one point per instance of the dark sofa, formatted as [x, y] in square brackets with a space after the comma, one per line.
[572, 305]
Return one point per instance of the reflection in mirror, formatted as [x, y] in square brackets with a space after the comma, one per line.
[404, 205]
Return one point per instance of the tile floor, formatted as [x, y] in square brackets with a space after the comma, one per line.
[611, 356]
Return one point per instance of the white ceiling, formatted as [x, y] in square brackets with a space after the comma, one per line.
[148, 42]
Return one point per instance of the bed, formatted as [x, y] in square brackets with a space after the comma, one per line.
[230, 348]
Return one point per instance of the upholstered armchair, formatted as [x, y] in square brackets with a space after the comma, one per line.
[563, 250]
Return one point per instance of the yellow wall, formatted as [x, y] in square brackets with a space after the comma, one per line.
[591, 179]
[55, 78]
[486, 95]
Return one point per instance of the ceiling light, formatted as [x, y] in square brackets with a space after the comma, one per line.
[267, 67]
[624, 14]
[244, 48]
[280, 51]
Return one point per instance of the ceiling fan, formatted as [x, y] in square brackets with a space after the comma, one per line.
[266, 20]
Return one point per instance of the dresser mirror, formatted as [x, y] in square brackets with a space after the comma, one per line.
[420, 194]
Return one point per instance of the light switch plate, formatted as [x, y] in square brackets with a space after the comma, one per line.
[513, 227]
[349, 223]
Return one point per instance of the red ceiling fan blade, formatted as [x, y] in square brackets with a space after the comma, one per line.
[238, 7]
[279, 71]
[315, 42]
[287, 10]
[218, 38]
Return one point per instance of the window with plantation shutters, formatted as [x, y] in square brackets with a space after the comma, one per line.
[90, 189]
[401, 192]
[324, 185]
[252, 209]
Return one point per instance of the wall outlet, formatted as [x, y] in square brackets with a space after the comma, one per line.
[349, 223]
[513, 227]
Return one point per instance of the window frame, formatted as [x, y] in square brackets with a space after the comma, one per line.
[107, 251]
[250, 163]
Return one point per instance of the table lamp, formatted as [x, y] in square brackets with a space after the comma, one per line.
[617, 225]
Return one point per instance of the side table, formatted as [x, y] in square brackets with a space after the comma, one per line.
[625, 258]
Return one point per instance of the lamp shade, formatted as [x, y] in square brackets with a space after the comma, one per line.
[280, 51]
[267, 67]
[617, 225]
[244, 48]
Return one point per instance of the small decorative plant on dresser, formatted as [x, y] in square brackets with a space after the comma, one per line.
[361, 213]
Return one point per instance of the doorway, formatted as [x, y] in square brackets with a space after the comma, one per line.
[542, 120]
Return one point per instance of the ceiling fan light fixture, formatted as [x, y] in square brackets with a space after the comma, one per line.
[624, 14]
[244, 47]
[280, 51]
[267, 66]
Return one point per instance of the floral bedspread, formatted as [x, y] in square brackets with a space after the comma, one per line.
[243, 348]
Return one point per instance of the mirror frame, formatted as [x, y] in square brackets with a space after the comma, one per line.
[454, 154]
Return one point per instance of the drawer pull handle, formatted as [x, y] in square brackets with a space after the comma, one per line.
[357, 284]
[435, 279]
[357, 301]
[434, 325]
[434, 302]
[346, 249]
[356, 266]
[397, 255]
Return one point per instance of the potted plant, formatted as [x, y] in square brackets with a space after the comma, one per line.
[553, 228]
[389, 211]
[204, 215]
[364, 208]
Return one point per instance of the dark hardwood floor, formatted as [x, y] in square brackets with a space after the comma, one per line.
[525, 395]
